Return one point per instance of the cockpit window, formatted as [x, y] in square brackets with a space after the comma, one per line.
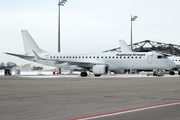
[161, 57]
[164, 56]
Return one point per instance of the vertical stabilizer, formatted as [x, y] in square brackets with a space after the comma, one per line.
[30, 44]
[124, 46]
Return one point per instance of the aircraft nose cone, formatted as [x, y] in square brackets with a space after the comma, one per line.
[172, 64]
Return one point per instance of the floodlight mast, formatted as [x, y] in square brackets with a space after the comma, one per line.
[61, 3]
[132, 19]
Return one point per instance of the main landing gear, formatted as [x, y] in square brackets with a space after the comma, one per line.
[84, 74]
[171, 72]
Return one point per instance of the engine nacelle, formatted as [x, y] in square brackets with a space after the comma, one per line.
[100, 69]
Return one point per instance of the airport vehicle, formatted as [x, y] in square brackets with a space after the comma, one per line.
[98, 63]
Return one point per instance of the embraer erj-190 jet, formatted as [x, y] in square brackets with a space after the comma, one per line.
[98, 63]
[175, 59]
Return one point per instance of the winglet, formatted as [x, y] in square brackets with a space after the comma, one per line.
[37, 56]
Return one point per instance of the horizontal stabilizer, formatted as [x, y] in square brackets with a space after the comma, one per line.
[18, 55]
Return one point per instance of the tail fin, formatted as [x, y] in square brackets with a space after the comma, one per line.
[124, 46]
[30, 44]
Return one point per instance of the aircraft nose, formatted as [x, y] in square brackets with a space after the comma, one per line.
[172, 64]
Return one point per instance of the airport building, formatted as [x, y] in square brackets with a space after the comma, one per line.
[148, 45]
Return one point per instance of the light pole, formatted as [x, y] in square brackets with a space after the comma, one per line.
[132, 19]
[61, 3]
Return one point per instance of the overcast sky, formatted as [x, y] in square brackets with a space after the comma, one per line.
[86, 25]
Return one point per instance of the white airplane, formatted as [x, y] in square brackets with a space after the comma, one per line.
[175, 59]
[98, 63]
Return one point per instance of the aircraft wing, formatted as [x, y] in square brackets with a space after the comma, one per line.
[19, 55]
[83, 64]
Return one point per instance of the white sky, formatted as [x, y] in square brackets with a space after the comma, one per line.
[86, 25]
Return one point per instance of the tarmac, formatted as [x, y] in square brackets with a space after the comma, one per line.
[70, 97]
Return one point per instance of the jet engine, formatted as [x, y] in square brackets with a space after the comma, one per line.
[99, 70]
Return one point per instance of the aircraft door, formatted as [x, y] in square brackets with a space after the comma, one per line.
[46, 57]
[149, 58]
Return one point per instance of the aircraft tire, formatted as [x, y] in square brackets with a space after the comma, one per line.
[178, 72]
[172, 73]
[97, 75]
[84, 74]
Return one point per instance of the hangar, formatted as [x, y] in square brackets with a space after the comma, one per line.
[148, 45]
